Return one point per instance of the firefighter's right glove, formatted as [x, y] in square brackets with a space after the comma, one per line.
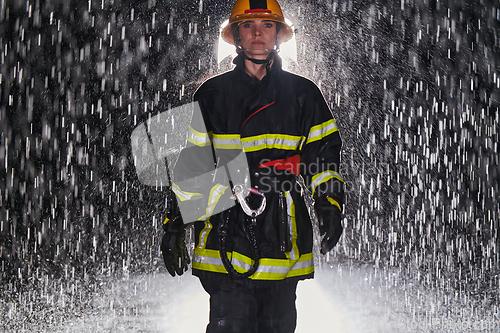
[173, 244]
[330, 223]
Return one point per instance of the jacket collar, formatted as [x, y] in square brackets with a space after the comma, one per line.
[239, 61]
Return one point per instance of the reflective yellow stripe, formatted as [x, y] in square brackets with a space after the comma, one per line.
[213, 199]
[183, 195]
[227, 141]
[217, 268]
[323, 177]
[264, 141]
[322, 130]
[208, 260]
[204, 234]
[334, 202]
[290, 206]
[271, 141]
[249, 144]
[198, 138]
[269, 269]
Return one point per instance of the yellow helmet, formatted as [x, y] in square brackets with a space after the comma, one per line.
[257, 9]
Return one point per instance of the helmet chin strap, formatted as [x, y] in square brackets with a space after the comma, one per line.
[241, 51]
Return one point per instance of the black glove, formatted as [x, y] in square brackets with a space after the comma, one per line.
[330, 223]
[173, 244]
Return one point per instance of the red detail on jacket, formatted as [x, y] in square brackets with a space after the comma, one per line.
[292, 164]
[262, 108]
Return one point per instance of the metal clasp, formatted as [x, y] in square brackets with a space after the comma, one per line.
[239, 194]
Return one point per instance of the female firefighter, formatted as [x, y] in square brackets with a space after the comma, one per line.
[250, 263]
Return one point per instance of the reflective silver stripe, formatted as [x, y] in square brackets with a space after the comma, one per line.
[215, 194]
[290, 215]
[282, 270]
[241, 264]
[273, 269]
[184, 195]
[198, 138]
[303, 264]
[265, 141]
[322, 130]
[204, 234]
[227, 141]
[262, 268]
[208, 260]
[323, 177]
[270, 141]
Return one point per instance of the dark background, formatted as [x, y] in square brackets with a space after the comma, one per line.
[413, 85]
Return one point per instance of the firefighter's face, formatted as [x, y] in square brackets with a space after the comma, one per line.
[257, 37]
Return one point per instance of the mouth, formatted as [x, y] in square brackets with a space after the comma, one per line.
[258, 43]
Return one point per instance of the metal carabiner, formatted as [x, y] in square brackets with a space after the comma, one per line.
[239, 194]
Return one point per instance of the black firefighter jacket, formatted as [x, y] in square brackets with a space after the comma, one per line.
[282, 116]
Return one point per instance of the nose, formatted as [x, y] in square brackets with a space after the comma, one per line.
[256, 31]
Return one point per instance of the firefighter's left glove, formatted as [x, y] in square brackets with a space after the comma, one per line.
[330, 223]
[173, 244]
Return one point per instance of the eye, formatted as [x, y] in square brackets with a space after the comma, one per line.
[247, 25]
[268, 25]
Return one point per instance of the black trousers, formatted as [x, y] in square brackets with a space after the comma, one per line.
[248, 306]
